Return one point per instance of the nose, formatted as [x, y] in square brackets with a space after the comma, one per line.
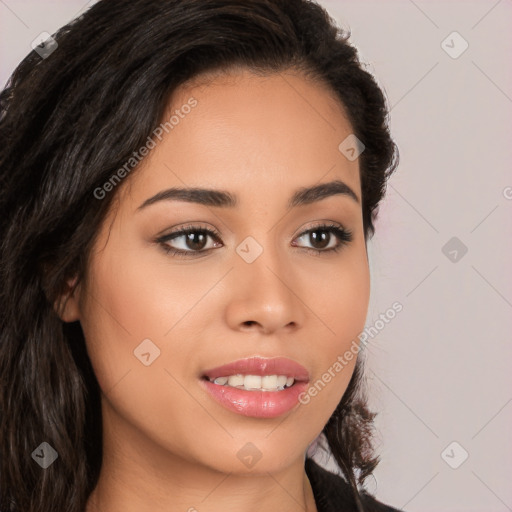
[266, 296]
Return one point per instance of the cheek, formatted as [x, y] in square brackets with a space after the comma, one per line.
[341, 300]
[136, 295]
[121, 308]
[126, 305]
[131, 298]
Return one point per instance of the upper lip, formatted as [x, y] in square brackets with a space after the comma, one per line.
[260, 366]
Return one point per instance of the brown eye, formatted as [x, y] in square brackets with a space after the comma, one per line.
[320, 239]
[190, 241]
[196, 241]
[326, 238]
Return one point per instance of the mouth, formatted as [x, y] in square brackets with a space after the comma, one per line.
[257, 387]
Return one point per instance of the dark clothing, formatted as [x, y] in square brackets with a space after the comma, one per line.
[333, 494]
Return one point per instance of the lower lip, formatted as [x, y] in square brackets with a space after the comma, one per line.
[256, 404]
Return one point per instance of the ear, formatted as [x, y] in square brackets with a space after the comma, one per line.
[67, 305]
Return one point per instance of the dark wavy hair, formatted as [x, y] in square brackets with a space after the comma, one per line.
[68, 122]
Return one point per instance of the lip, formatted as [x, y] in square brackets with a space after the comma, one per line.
[257, 404]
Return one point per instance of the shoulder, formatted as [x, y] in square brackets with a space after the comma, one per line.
[332, 493]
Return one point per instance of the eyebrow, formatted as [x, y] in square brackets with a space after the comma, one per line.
[223, 198]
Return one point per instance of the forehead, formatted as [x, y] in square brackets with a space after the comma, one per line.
[248, 132]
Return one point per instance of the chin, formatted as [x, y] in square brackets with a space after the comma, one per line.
[258, 457]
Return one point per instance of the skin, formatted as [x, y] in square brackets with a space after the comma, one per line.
[168, 446]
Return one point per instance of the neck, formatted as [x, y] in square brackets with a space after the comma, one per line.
[138, 475]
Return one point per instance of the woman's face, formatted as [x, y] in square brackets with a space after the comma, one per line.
[157, 323]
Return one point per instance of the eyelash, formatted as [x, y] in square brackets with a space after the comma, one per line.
[343, 235]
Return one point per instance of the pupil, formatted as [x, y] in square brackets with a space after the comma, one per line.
[196, 241]
[320, 241]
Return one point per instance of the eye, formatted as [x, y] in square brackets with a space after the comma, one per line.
[326, 238]
[189, 241]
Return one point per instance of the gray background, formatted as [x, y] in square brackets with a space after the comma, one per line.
[439, 372]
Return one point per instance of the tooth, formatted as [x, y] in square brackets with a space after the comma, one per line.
[269, 382]
[252, 382]
[255, 382]
[236, 380]
[281, 381]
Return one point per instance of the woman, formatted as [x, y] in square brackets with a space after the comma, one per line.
[187, 192]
